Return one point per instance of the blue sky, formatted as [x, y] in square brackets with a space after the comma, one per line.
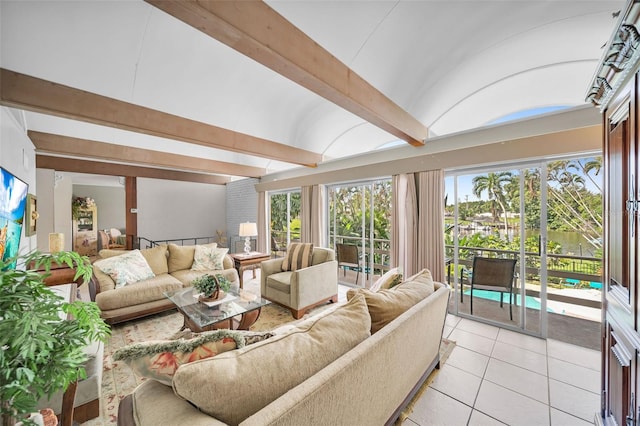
[465, 185]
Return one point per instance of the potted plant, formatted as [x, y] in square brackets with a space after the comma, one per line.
[81, 203]
[41, 353]
[212, 287]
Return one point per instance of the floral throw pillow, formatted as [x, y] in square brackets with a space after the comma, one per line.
[390, 279]
[208, 258]
[158, 360]
[126, 268]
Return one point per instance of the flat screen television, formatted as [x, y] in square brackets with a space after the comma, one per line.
[13, 199]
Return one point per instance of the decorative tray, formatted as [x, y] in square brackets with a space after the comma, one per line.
[227, 298]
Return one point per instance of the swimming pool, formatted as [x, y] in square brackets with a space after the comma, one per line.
[531, 302]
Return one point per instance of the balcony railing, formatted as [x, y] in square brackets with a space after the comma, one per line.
[381, 251]
[142, 242]
[563, 271]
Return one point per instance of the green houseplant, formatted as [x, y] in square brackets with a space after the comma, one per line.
[41, 353]
[212, 286]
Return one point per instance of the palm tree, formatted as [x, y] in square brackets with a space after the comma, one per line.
[493, 184]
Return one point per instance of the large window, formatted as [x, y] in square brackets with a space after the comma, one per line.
[285, 217]
[554, 230]
[360, 215]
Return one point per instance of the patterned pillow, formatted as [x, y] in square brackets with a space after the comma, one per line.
[158, 360]
[208, 258]
[127, 268]
[390, 279]
[298, 256]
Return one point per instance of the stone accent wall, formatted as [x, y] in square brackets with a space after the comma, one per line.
[242, 206]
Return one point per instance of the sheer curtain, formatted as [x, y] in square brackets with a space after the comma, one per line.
[404, 224]
[417, 235]
[312, 213]
[430, 185]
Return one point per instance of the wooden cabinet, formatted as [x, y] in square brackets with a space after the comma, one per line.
[85, 232]
[616, 90]
[621, 329]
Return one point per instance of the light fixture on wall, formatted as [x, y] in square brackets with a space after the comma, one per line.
[248, 230]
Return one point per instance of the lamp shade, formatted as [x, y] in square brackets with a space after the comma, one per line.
[248, 229]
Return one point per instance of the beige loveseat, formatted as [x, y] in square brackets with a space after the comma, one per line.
[171, 266]
[366, 380]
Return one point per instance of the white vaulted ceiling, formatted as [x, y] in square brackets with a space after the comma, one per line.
[452, 65]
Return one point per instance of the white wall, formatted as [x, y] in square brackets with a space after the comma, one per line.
[45, 180]
[17, 155]
[171, 209]
[110, 202]
[242, 206]
[63, 190]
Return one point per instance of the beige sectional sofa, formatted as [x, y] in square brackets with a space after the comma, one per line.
[171, 265]
[327, 370]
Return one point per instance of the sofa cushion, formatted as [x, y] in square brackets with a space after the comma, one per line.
[281, 281]
[104, 281]
[423, 276]
[137, 293]
[188, 275]
[156, 258]
[234, 385]
[390, 279]
[127, 268]
[386, 305]
[159, 359]
[321, 256]
[298, 256]
[181, 257]
[208, 258]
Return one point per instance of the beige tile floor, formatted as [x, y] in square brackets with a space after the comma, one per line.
[496, 376]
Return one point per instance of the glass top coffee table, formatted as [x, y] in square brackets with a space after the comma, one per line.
[199, 316]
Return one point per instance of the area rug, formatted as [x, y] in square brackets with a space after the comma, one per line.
[446, 348]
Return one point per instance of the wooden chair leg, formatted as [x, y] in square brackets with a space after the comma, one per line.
[68, 398]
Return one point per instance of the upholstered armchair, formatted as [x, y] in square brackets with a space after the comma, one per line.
[304, 288]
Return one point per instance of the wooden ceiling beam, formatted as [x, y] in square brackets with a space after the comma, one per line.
[66, 145]
[30, 93]
[65, 164]
[259, 32]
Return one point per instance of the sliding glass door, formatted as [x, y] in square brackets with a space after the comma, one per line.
[360, 216]
[284, 218]
[484, 220]
[547, 217]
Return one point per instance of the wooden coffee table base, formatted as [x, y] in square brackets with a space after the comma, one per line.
[246, 320]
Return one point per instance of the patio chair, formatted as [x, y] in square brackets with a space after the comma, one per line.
[114, 233]
[493, 275]
[104, 240]
[348, 257]
[276, 249]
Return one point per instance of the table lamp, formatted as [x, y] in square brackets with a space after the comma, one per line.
[248, 230]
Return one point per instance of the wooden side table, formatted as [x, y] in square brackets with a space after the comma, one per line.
[60, 274]
[242, 261]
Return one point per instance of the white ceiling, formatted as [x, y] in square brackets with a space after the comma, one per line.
[453, 65]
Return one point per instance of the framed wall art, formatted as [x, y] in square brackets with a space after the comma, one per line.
[31, 215]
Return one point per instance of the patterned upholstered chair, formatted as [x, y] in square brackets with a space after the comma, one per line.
[298, 281]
